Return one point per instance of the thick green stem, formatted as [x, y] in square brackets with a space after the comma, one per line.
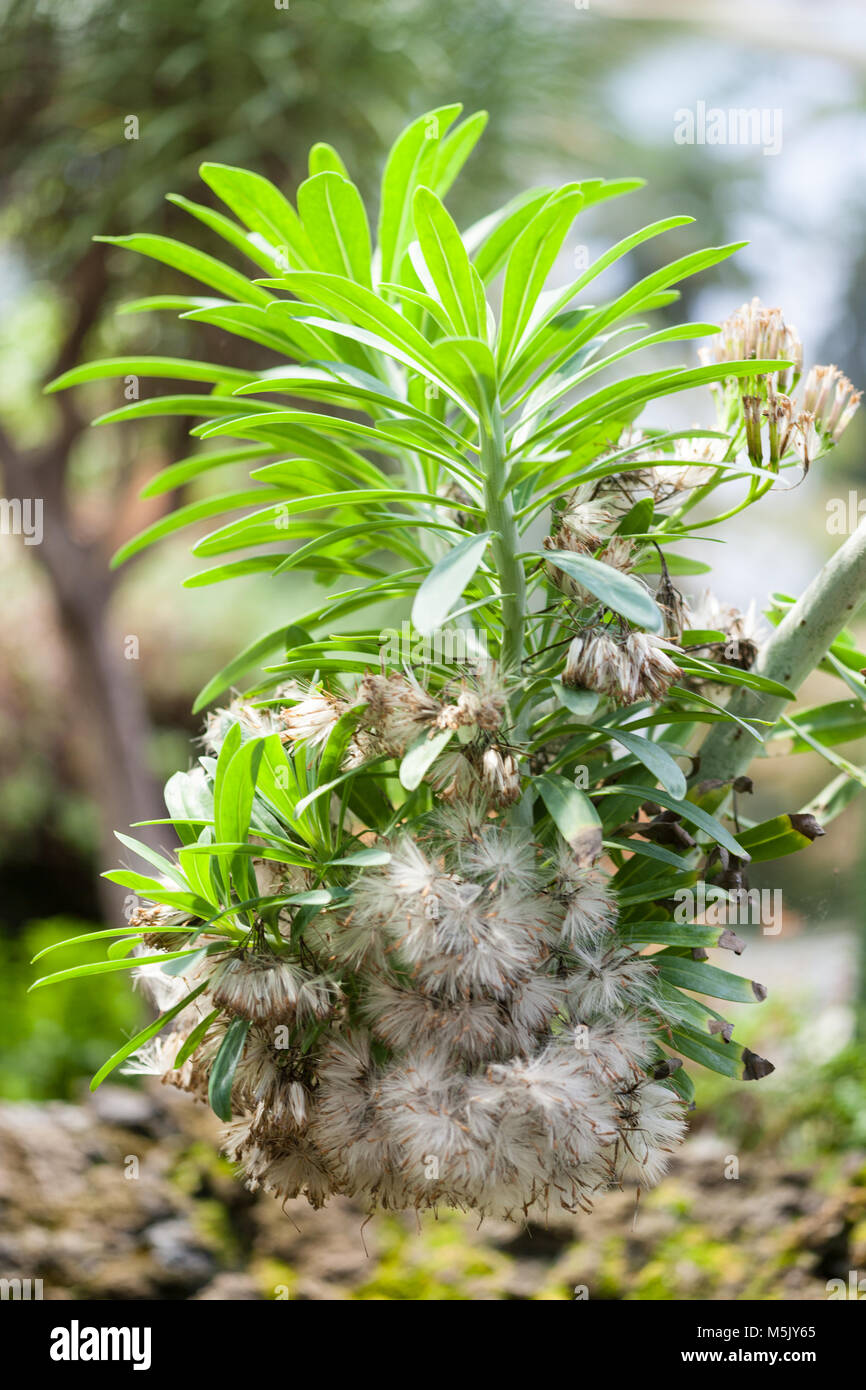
[797, 645]
[505, 545]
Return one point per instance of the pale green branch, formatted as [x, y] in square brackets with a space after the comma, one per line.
[795, 648]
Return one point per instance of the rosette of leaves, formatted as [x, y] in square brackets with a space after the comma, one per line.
[420, 938]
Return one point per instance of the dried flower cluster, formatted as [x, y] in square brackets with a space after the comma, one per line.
[631, 668]
[754, 333]
[499, 1050]
[775, 424]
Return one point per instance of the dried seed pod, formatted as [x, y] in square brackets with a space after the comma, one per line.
[806, 825]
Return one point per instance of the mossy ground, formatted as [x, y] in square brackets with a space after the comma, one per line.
[125, 1196]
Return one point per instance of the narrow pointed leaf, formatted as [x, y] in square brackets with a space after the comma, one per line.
[336, 223]
[616, 590]
[574, 815]
[225, 1064]
[446, 582]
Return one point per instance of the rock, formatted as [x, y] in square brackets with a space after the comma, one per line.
[133, 1110]
[179, 1253]
[229, 1287]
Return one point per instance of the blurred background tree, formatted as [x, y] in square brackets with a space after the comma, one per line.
[106, 107]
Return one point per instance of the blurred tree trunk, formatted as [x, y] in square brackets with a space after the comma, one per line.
[106, 703]
[107, 698]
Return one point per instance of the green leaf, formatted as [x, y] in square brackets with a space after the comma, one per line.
[336, 223]
[446, 582]
[676, 692]
[578, 702]
[325, 788]
[324, 157]
[559, 299]
[198, 869]
[701, 637]
[250, 321]
[104, 967]
[125, 946]
[773, 839]
[841, 721]
[197, 264]
[337, 384]
[421, 755]
[150, 1031]
[624, 398]
[195, 511]
[171, 368]
[469, 364]
[188, 796]
[264, 209]
[689, 812]
[154, 406]
[682, 1085]
[245, 242]
[709, 1052]
[573, 814]
[222, 1075]
[128, 933]
[647, 850]
[670, 934]
[402, 175]
[708, 979]
[660, 889]
[833, 799]
[153, 891]
[675, 564]
[529, 264]
[421, 365]
[170, 303]
[732, 675]
[386, 539]
[659, 763]
[231, 848]
[638, 519]
[234, 789]
[828, 754]
[281, 639]
[337, 743]
[185, 469]
[491, 239]
[365, 859]
[195, 1038]
[448, 262]
[314, 897]
[451, 153]
[268, 525]
[671, 274]
[616, 590]
[153, 857]
[362, 307]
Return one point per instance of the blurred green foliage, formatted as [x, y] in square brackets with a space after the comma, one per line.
[810, 1112]
[52, 1041]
